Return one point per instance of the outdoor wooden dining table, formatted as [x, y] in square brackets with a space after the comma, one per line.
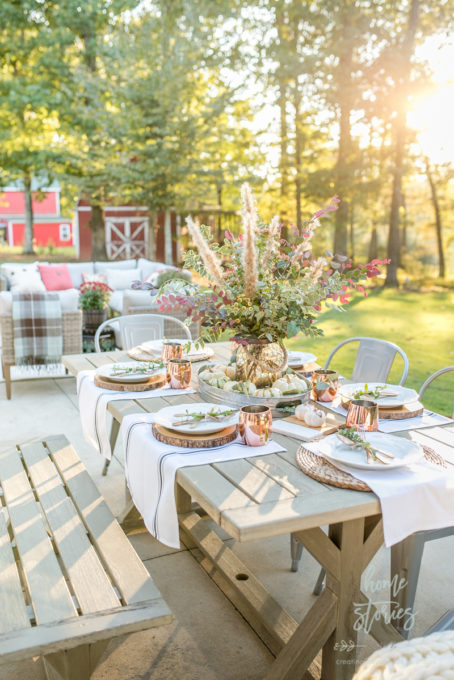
[265, 496]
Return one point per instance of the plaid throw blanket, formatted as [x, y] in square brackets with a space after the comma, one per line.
[37, 326]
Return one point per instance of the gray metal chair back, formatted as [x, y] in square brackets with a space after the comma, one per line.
[135, 329]
[373, 360]
[431, 378]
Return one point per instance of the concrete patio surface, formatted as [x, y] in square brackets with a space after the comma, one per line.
[209, 639]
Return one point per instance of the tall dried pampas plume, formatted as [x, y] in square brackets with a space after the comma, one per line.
[211, 262]
[249, 252]
[271, 244]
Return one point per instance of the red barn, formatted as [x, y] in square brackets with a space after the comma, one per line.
[48, 225]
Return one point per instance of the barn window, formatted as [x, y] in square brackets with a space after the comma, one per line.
[65, 232]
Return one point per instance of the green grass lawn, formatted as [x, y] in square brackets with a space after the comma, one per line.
[422, 324]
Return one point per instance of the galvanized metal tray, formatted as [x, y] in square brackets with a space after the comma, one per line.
[218, 396]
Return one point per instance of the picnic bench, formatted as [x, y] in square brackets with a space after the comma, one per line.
[69, 578]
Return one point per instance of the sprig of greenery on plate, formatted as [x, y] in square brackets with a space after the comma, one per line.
[372, 454]
[196, 417]
[367, 391]
[144, 368]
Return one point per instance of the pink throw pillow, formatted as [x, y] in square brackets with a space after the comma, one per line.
[55, 276]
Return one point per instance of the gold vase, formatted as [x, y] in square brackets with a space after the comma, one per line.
[259, 361]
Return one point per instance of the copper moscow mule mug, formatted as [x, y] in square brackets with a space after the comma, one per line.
[324, 384]
[171, 350]
[363, 414]
[179, 373]
[255, 425]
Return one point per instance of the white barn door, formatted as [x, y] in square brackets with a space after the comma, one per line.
[126, 237]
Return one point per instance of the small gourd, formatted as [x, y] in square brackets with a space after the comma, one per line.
[300, 411]
[230, 371]
[248, 388]
[314, 417]
[231, 386]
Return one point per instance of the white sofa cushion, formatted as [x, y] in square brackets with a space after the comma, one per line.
[24, 278]
[138, 298]
[148, 267]
[101, 267]
[69, 300]
[120, 279]
[116, 301]
[76, 269]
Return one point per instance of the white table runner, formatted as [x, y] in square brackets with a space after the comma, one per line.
[414, 498]
[151, 467]
[93, 403]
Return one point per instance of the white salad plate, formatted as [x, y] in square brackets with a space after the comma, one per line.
[405, 452]
[405, 395]
[109, 371]
[167, 416]
[300, 358]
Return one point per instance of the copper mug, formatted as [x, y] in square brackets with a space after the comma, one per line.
[179, 373]
[171, 350]
[363, 415]
[324, 384]
[255, 425]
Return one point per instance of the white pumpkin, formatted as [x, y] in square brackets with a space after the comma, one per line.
[300, 411]
[263, 392]
[230, 371]
[314, 417]
[248, 388]
[218, 381]
[230, 386]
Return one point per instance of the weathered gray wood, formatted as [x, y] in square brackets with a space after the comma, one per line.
[13, 612]
[51, 599]
[91, 586]
[74, 664]
[119, 557]
[60, 635]
[266, 616]
[252, 481]
[310, 635]
[321, 548]
[384, 633]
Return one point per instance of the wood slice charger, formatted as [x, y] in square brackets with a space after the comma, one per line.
[154, 382]
[398, 412]
[194, 441]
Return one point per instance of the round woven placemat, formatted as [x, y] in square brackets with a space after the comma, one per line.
[319, 468]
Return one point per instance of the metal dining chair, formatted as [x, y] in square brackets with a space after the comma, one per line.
[373, 363]
[373, 360]
[133, 329]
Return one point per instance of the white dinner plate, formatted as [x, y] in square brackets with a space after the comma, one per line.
[405, 452]
[300, 358]
[155, 348]
[166, 418]
[405, 395]
[109, 371]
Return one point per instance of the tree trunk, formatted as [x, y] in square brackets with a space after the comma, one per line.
[220, 233]
[345, 99]
[400, 132]
[298, 153]
[98, 233]
[283, 160]
[438, 226]
[352, 232]
[373, 244]
[152, 231]
[28, 236]
[168, 259]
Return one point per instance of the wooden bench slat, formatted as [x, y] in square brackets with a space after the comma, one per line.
[63, 635]
[91, 586]
[51, 599]
[13, 612]
[120, 559]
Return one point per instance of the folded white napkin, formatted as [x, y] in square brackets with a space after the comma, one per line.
[151, 467]
[93, 403]
[294, 430]
[427, 419]
[413, 498]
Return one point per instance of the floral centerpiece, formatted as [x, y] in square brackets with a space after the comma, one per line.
[263, 288]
